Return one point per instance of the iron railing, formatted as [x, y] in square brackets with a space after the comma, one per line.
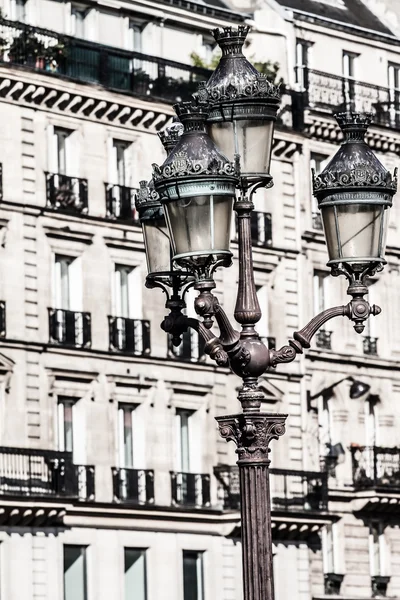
[120, 203]
[190, 489]
[128, 71]
[133, 486]
[129, 335]
[370, 345]
[375, 466]
[191, 348]
[317, 221]
[328, 92]
[70, 328]
[3, 327]
[323, 339]
[67, 194]
[291, 490]
[44, 473]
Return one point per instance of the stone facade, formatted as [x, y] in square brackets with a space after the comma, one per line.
[92, 434]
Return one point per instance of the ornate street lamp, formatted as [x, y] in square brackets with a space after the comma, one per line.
[196, 185]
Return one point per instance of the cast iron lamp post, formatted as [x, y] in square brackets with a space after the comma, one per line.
[196, 187]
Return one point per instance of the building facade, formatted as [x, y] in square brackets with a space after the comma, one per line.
[113, 479]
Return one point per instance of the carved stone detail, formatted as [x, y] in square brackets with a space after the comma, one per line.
[252, 434]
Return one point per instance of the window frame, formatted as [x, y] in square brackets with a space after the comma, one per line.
[144, 552]
[85, 569]
[200, 595]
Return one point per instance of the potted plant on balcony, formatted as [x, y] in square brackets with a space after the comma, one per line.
[28, 49]
[55, 56]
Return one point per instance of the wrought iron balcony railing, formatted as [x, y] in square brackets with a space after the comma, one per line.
[70, 328]
[375, 466]
[120, 203]
[129, 335]
[323, 339]
[328, 92]
[44, 473]
[317, 221]
[290, 490]
[67, 194]
[61, 55]
[133, 486]
[370, 345]
[190, 489]
[191, 349]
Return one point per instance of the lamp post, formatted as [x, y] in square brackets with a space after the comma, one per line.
[202, 178]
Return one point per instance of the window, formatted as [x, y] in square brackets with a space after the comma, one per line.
[193, 588]
[328, 549]
[65, 424]
[62, 286]
[75, 584]
[135, 574]
[78, 16]
[377, 548]
[394, 93]
[126, 416]
[19, 10]
[122, 291]
[348, 72]
[263, 325]
[183, 417]
[318, 162]
[321, 280]
[119, 163]
[61, 136]
[302, 60]
[135, 37]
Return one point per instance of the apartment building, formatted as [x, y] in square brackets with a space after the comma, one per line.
[112, 475]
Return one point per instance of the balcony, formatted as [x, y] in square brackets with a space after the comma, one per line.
[120, 203]
[66, 194]
[370, 345]
[191, 348]
[290, 490]
[190, 489]
[117, 69]
[329, 93]
[131, 336]
[45, 474]
[376, 467]
[69, 328]
[323, 339]
[317, 221]
[133, 486]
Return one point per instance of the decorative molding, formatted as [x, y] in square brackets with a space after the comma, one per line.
[252, 434]
[49, 94]
[284, 149]
[326, 129]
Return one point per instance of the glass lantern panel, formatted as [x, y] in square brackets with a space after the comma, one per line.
[157, 244]
[251, 139]
[361, 235]
[200, 225]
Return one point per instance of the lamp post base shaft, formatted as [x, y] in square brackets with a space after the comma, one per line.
[252, 433]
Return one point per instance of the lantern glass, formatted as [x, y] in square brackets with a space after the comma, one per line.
[157, 245]
[355, 232]
[200, 225]
[250, 138]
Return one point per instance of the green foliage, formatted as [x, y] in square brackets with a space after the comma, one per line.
[268, 68]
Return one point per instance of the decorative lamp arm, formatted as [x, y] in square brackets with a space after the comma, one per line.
[357, 310]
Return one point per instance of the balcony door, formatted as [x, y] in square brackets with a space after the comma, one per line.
[302, 64]
[349, 60]
[67, 299]
[131, 448]
[71, 428]
[127, 305]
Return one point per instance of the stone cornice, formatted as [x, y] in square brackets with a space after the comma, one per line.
[82, 101]
[324, 128]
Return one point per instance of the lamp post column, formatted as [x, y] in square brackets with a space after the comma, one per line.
[252, 433]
